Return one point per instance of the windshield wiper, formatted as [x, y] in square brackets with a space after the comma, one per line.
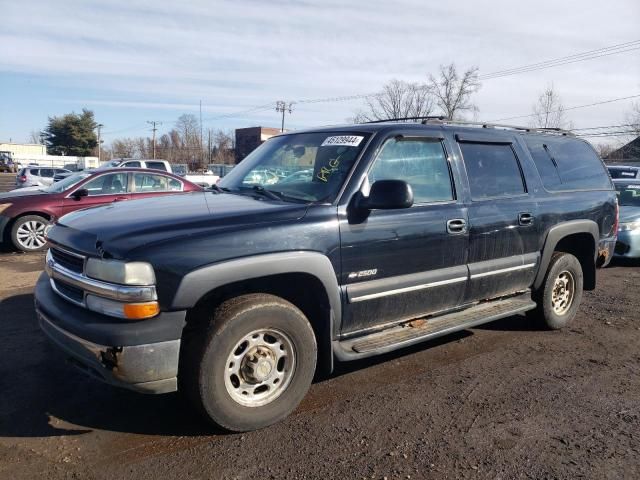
[267, 193]
[219, 189]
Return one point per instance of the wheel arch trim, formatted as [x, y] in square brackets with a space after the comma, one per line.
[196, 284]
[556, 234]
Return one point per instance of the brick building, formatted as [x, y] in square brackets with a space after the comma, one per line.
[248, 139]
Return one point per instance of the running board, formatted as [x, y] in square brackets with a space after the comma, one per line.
[420, 330]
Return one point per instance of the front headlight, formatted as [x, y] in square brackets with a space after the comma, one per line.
[123, 273]
[625, 227]
[4, 206]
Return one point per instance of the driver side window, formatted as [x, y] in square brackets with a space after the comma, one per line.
[420, 162]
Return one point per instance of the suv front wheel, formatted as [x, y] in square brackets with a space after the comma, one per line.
[560, 295]
[252, 365]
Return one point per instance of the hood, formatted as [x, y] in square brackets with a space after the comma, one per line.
[629, 214]
[118, 228]
[21, 192]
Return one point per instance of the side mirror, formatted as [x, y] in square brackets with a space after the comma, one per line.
[387, 195]
[78, 194]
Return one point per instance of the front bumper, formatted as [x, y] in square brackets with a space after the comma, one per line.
[628, 245]
[141, 356]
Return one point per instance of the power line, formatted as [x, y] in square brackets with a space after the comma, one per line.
[581, 57]
[569, 108]
[555, 62]
[606, 126]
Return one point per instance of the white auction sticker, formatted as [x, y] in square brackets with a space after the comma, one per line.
[342, 141]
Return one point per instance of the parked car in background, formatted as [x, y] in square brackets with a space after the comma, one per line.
[623, 172]
[138, 163]
[25, 213]
[401, 233]
[628, 244]
[205, 180]
[37, 176]
[7, 164]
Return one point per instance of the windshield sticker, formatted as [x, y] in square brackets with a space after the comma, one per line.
[325, 172]
[342, 141]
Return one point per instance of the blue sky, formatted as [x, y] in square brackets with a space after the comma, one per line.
[137, 60]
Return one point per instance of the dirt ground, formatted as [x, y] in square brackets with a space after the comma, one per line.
[498, 402]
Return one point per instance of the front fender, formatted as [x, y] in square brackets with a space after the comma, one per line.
[198, 283]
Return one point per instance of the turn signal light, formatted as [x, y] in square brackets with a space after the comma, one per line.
[138, 311]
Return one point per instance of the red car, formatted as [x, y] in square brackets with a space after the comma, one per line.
[25, 213]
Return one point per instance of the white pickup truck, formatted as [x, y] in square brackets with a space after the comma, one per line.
[207, 179]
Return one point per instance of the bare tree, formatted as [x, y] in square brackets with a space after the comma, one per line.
[453, 92]
[222, 147]
[398, 99]
[548, 111]
[604, 149]
[633, 118]
[35, 136]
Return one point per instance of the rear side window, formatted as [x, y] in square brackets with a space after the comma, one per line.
[46, 172]
[418, 161]
[156, 165]
[568, 164]
[493, 170]
[34, 171]
[145, 182]
[131, 164]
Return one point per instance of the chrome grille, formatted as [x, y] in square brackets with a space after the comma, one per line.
[68, 260]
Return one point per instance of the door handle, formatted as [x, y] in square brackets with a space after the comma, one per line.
[120, 199]
[525, 219]
[456, 226]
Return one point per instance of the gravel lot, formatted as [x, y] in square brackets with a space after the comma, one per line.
[502, 401]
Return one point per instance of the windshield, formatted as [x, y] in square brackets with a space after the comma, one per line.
[309, 167]
[67, 182]
[628, 194]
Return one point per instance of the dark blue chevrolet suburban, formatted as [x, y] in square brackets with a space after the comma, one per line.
[328, 244]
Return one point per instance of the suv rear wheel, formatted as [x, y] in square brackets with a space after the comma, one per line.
[27, 233]
[560, 295]
[252, 365]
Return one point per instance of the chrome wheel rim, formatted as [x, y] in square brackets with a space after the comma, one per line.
[260, 367]
[30, 235]
[564, 289]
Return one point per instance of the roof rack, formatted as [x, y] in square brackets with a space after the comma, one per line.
[440, 120]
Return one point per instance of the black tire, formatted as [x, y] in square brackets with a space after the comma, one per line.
[205, 366]
[567, 266]
[23, 225]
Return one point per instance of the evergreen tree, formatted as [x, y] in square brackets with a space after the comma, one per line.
[72, 134]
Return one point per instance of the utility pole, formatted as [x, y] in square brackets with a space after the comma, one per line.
[209, 143]
[201, 149]
[99, 126]
[283, 107]
[153, 123]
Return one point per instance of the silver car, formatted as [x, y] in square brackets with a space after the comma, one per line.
[37, 176]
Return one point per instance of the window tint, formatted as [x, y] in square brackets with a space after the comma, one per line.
[34, 171]
[110, 184]
[419, 162]
[156, 165]
[131, 164]
[145, 182]
[46, 172]
[567, 164]
[493, 170]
